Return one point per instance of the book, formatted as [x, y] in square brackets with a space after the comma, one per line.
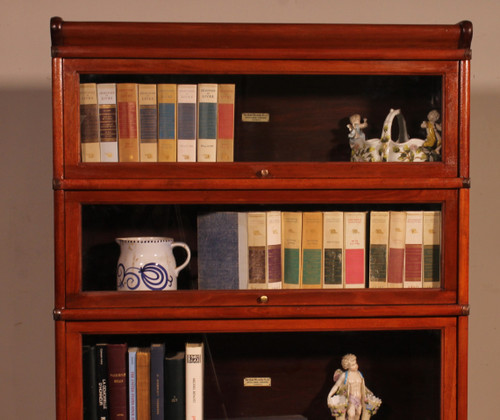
[143, 384]
[432, 249]
[148, 123]
[207, 122]
[89, 123]
[257, 229]
[222, 250]
[175, 386]
[354, 249]
[132, 383]
[225, 123]
[128, 122]
[117, 380]
[90, 391]
[194, 381]
[157, 380]
[273, 250]
[395, 261]
[291, 231]
[102, 381]
[186, 123]
[378, 249]
[413, 249]
[333, 249]
[167, 122]
[312, 249]
[108, 122]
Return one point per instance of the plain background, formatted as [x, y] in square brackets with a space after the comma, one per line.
[26, 213]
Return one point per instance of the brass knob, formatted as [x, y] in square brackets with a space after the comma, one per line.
[263, 299]
[263, 173]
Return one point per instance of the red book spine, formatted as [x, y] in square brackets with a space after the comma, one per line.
[117, 373]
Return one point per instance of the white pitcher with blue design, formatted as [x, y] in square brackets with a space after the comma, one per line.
[148, 263]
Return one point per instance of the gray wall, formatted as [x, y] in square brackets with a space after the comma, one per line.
[26, 246]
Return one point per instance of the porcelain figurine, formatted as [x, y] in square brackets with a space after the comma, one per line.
[433, 129]
[349, 398]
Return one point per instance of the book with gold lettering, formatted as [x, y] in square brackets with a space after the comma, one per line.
[89, 123]
[379, 248]
[273, 250]
[333, 249]
[207, 122]
[128, 122]
[117, 374]
[225, 123]
[414, 250]
[257, 230]
[186, 122]
[291, 229]
[143, 383]
[108, 128]
[432, 249]
[395, 262]
[354, 249]
[167, 122]
[148, 123]
[312, 249]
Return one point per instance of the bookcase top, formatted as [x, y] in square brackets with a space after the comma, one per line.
[260, 41]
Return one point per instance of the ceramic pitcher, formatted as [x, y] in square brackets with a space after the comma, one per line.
[147, 263]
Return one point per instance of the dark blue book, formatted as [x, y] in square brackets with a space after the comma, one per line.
[222, 251]
[157, 381]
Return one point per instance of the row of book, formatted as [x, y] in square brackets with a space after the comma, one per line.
[142, 383]
[135, 122]
[321, 249]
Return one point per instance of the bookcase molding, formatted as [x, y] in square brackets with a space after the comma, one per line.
[308, 79]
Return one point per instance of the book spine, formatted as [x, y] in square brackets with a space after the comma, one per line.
[225, 123]
[333, 249]
[312, 249]
[432, 249]
[117, 376]
[132, 383]
[157, 381]
[148, 123]
[218, 250]
[207, 122]
[257, 250]
[143, 384]
[128, 122]
[379, 245]
[292, 243]
[395, 261]
[273, 250]
[90, 392]
[413, 250]
[186, 123]
[108, 128]
[194, 381]
[102, 381]
[167, 122]
[175, 386]
[354, 255]
[243, 251]
[89, 123]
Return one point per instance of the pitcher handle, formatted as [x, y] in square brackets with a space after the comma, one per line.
[188, 256]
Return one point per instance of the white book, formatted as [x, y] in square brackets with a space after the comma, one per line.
[194, 381]
[207, 122]
[186, 123]
[273, 250]
[333, 249]
[414, 249]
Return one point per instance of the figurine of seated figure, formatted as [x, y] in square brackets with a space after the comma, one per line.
[356, 127]
[349, 398]
[433, 137]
